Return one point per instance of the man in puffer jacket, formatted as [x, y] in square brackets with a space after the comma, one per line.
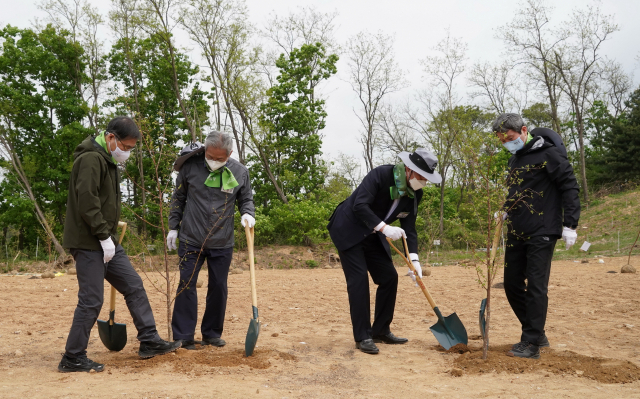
[542, 206]
[209, 186]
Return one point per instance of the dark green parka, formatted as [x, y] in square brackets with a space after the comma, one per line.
[93, 205]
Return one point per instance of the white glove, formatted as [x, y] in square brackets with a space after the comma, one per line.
[108, 248]
[247, 219]
[416, 265]
[505, 215]
[171, 240]
[569, 236]
[395, 233]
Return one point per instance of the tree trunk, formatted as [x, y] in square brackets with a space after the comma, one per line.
[487, 313]
[583, 169]
[442, 189]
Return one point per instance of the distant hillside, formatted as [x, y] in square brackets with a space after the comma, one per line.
[601, 223]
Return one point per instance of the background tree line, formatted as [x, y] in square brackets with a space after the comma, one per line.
[65, 77]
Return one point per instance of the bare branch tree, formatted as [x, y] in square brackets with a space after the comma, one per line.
[373, 74]
[500, 85]
[579, 62]
[532, 42]
[435, 119]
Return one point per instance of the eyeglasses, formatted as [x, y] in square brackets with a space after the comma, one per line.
[124, 146]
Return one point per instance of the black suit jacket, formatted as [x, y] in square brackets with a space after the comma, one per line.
[354, 219]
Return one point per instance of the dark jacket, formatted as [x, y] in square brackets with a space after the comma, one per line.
[354, 219]
[204, 215]
[543, 179]
[93, 204]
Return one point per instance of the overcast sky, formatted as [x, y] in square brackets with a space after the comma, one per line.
[417, 26]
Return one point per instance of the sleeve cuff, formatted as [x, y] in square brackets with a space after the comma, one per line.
[379, 226]
[414, 257]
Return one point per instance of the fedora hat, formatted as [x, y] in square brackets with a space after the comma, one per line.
[423, 162]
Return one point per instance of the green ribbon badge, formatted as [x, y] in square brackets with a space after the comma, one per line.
[400, 189]
[229, 182]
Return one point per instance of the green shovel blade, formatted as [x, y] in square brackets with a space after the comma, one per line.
[449, 331]
[252, 335]
[113, 336]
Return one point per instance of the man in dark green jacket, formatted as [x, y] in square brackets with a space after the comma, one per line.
[93, 211]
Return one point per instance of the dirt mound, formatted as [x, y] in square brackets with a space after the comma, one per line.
[608, 371]
[184, 361]
[458, 348]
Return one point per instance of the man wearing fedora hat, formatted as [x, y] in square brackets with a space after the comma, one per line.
[359, 227]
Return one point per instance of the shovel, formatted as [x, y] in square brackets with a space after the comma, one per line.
[492, 258]
[254, 324]
[113, 335]
[449, 331]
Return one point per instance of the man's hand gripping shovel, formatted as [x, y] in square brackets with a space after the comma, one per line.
[113, 335]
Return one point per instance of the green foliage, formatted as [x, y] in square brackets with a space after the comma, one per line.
[312, 263]
[143, 73]
[291, 119]
[622, 143]
[42, 110]
[538, 115]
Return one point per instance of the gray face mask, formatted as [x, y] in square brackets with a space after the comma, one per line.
[514, 145]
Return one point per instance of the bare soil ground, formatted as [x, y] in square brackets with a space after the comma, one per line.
[306, 348]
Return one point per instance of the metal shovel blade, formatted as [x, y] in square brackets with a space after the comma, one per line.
[252, 334]
[482, 318]
[449, 331]
[113, 336]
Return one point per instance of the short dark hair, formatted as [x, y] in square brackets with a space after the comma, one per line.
[123, 127]
[506, 122]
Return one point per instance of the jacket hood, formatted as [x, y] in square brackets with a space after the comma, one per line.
[536, 144]
[90, 145]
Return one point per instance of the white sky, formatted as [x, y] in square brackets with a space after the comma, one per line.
[417, 25]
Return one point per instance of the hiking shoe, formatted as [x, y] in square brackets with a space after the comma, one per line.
[188, 344]
[150, 349]
[543, 342]
[526, 350]
[214, 341]
[70, 365]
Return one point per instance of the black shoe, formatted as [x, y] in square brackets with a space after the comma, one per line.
[389, 339]
[188, 344]
[543, 342]
[150, 349]
[367, 346]
[214, 341]
[526, 350]
[70, 365]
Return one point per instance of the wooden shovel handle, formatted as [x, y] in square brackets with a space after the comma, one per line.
[413, 269]
[252, 268]
[112, 300]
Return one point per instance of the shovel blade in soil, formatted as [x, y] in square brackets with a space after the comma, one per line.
[252, 337]
[113, 336]
[482, 318]
[449, 331]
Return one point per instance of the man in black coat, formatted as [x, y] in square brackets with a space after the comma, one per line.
[542, 206]
[359, 227]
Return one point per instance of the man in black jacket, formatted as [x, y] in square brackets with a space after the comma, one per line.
[542, 186]
[358, 228]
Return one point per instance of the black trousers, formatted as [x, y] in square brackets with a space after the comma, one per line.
[185, 310]
[369, 256]
[531, 260]
[91, 273]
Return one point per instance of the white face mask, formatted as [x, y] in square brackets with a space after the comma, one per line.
[417, 184]
[214, 165]
[118, 154]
